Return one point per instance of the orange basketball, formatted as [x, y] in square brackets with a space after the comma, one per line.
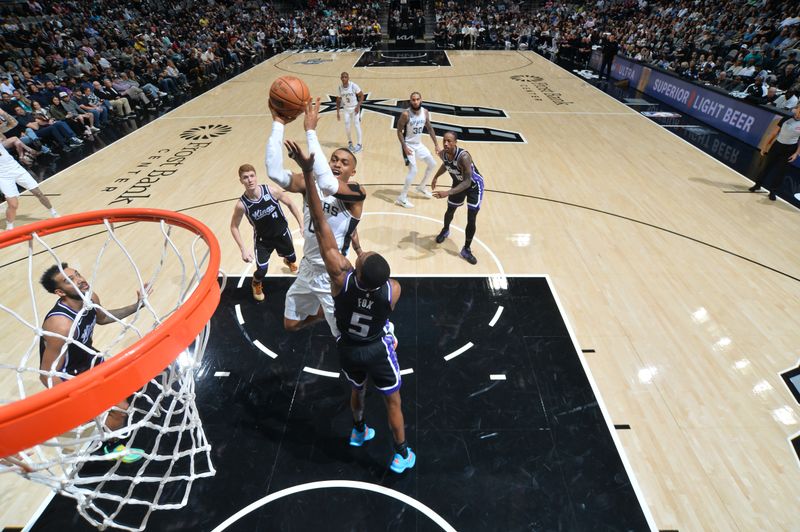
[289, 96]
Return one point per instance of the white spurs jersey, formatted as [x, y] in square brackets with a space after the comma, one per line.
[338, 218]
[416, 125]
[349, 95]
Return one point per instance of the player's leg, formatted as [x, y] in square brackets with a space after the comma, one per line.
[321, 285]
[425, 155]
[262, 252]
[356, 376]
[302, 307]
[116, 419]
[357, 125]
[44, 200]
[453, 203]
[12, 203]
[474, 200]
[384, 370]
[348, 117]
[285, 249]
[402, 199]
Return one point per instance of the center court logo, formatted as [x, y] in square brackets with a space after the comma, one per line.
[465, 133]
[317, 61]
[206, 132]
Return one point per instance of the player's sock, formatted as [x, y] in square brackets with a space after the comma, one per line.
[360, 425]
[401, 448]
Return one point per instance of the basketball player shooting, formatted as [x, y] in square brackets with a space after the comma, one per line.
[364, 298]
[309, 299]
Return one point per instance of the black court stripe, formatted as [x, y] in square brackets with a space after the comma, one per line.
[587, 350]
[622, 427]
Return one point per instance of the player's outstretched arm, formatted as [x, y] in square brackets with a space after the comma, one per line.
[292, 182]
[104, 317]
[236, 220]
[322, 171]
[336, 264]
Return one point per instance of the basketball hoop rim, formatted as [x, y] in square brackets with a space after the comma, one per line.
[61, 408]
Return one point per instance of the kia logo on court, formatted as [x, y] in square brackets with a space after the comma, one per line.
[206, 132]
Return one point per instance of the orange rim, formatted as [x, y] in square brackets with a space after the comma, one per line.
[56, 410]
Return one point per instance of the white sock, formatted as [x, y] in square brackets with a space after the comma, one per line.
[53, 212]
[358, 131]
[9, 225]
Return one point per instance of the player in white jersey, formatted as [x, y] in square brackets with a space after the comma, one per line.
[350, 98]
[11, 174]
[309, 299]
[410, 126]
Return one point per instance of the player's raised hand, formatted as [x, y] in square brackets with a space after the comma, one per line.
[311, 114]
[306, 162]
[277, 117]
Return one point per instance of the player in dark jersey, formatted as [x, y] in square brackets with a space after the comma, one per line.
[364, 297]
[60, 360]
[261, 205]
[467, 185]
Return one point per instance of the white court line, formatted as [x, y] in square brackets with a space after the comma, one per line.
[222, 373]
[407, 371]
[39, 511]
[323, 373]
[496, 316]
[606, 416]
[604, 113]
[264, 349]
[352, 484]
[239, 317]
[243, 275]
[458, 351]
[497, 377]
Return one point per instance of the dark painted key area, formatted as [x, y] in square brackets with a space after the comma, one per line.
[531, 452]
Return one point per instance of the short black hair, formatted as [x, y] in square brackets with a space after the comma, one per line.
[375, 271]
[48, 279]
[353, 155]
[455, 135]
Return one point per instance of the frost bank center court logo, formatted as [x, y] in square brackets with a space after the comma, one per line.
[206, 132]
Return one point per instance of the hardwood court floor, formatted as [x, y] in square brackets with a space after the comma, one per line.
[685, 294]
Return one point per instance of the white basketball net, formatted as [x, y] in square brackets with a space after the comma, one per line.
[162, 419]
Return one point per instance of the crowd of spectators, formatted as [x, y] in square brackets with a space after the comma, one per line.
[749, 48]
[67, 69]
[335, 24]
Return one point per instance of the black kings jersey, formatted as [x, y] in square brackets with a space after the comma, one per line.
[265, 214]
[75, 360]
[455, 172]
[360, 313]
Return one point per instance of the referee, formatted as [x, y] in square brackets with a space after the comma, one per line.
[781, 149]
